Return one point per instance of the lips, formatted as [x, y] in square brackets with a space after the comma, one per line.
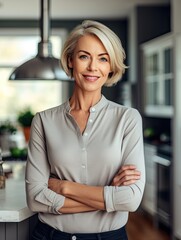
[91, 78]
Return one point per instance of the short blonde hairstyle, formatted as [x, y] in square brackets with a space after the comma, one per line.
[110, 41]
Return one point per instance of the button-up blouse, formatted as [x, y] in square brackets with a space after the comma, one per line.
[112, 138]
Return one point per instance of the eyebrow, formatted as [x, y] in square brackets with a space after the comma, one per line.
[101, 54]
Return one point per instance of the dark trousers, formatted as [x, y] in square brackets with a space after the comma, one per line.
[44, 232]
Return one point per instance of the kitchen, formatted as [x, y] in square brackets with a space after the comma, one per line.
[136, 27]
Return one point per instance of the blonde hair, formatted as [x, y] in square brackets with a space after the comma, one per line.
[110, 41]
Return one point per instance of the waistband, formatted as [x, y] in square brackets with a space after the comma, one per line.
[119, 234]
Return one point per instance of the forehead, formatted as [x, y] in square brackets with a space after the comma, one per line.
[90, 42]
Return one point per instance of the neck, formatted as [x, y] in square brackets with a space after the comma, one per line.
[84, 101]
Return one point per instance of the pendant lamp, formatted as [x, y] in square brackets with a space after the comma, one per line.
[43, 66]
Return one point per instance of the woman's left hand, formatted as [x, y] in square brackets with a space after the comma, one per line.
[127, 175]
[56, 185]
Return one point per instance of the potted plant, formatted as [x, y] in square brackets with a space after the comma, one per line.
[7, 127]
[25, 118]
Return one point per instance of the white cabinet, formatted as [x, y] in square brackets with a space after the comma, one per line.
[149, 197]
[158, 76]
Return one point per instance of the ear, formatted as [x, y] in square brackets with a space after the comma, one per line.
[70, 65]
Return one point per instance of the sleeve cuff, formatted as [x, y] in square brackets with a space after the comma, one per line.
[53, 200]
[108, 198]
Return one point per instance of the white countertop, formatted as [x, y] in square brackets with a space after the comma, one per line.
[13, 207]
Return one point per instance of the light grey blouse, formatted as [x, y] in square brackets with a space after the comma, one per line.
[112, 138]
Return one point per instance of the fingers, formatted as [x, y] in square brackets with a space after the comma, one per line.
[127, 175]
[127, 167]
[125, 180]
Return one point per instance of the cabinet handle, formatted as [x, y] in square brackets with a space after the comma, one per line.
[161, 161]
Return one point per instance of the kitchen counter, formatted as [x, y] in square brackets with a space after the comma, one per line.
[13, 207]
[16, 220]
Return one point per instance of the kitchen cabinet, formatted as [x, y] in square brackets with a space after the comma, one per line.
[149, 197]
[164, 185]
[158, 76]
[18, 230]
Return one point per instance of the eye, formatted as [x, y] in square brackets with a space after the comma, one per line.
[103, 59]
[83, 57]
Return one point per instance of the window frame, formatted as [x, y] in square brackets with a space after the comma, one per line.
[8, 32]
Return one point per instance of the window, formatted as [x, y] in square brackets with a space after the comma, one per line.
[17, 95]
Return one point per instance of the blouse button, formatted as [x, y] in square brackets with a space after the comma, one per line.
[74, 238]
[85, 134]
[93, 109]
[90, 120]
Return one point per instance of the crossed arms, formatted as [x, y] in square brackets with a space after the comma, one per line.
[84, 198]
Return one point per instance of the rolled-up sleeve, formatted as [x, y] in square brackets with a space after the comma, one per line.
[128, 198]
[39, 197]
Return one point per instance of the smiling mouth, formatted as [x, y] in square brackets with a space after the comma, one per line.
[91, 78]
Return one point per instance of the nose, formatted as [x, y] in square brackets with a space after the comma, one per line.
[92, 66]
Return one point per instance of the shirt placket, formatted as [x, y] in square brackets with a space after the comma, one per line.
[85, 140]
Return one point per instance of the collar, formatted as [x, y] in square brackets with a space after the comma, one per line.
[96, 108]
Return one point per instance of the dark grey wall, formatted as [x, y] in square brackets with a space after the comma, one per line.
[152, 21]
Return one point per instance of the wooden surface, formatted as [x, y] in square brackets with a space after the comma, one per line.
[140, 227]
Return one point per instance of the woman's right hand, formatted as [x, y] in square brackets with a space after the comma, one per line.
[127, 175]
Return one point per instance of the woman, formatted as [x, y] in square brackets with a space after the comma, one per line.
[85, 168]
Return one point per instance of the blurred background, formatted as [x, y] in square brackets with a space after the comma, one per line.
[150, 32]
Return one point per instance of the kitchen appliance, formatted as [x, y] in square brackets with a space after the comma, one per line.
[164, 199]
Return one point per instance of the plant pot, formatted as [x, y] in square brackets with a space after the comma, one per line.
[26, 131]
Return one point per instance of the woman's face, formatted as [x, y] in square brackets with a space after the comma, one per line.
[90, 63]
